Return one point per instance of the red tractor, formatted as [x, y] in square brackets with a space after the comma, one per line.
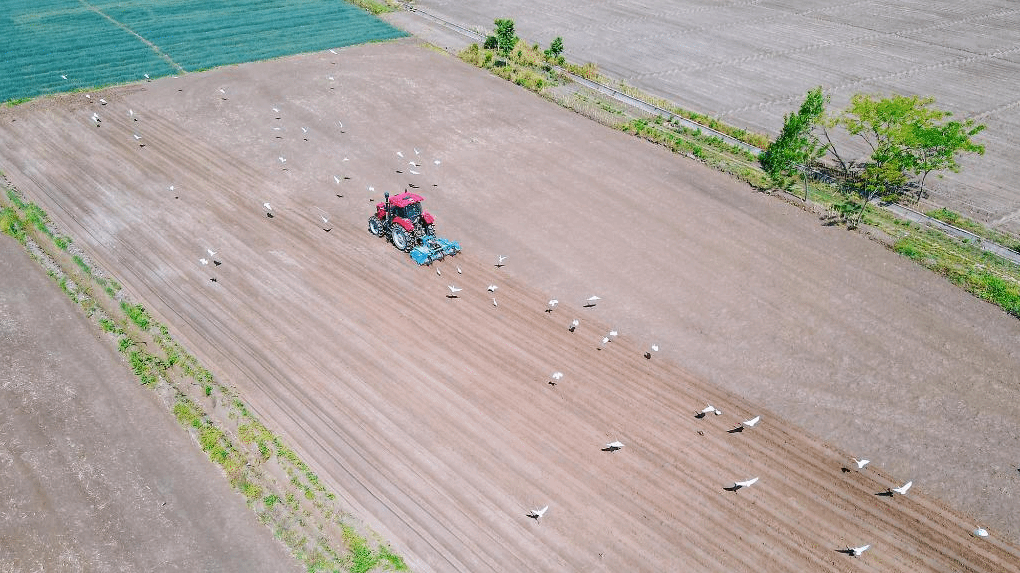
[410, 228]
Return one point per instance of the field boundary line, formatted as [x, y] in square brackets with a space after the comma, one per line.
[127, 29]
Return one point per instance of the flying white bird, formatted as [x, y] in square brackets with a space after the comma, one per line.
[573, 325]
[747, 483]
[304, 130]
[613, 333]
[856, 551]
[400, 153]
[557, 376]
[222, 91]
[439, 272]
[592, 301]
[332, 51]
[981, 532]
[324, 219]
[340, 123]
[269, 209]
[902, 490]
[131, 113]
[492, 288]
[710, 408]
[501, 258]
[416, 152]
[437, 162]
[553, 303]
[276, 110]
[211, 252]
[346, 159]
[371, 189]
[459, 272]
[413, 172]
[537, 513]
[593, 298]
[203, 261]
[751, 423]
[171, 187]
[860, 463]
[605, 340]
[454, 290]
[654, 348]
[331, 78]
[282, 159]
[337, 179]
[137, 137]
[494, 302]
[613, 446]
[63, 76]
[146, 76]
[102, 101]
[87, 96]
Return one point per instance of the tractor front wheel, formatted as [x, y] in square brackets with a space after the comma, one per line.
[375, 226]
[400, 239]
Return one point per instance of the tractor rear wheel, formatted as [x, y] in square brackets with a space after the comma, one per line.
[400, 239]
[375, 226]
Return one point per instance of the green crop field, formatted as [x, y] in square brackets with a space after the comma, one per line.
[101, 42]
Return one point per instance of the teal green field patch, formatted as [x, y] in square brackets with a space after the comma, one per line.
[51, 46]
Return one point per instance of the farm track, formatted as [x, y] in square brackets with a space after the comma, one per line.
[433, 417]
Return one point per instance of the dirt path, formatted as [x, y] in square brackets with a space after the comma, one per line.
[434, 416]
[97, 476]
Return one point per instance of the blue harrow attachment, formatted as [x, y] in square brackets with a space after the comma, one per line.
[433, 248]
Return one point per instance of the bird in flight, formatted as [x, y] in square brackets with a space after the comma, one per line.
[146, 76]
[552, 304]
[499, 262]
[573, 325]
[654, 348]
[613, 446]
[750, 423]
[400, 153]
[592, 301]
[453, 291]
[459, 272]
[494, 302]
[439, 272]
[492, 288]
[62, 76]
[981, 532]
[857, 551]
[747, 483]
[709, 409]
[538, 513]
[860, 463]
[902, 490]
[269, 210]
[203, 261]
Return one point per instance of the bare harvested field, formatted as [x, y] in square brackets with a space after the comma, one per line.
[96, 475]
[433, 417]
[749, 63]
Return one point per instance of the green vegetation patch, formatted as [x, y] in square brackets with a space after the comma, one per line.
[52, 46]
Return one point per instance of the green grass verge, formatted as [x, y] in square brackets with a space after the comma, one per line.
[301, 510]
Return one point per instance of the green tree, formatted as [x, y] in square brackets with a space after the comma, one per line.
[936, 147]
[506, 39]
[797, 144]
[907, 138]
[555, 51]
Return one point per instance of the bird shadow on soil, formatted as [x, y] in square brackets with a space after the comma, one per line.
[736, 430]
[849, 552]
[885, 494]
[700, 415]
[733, 487]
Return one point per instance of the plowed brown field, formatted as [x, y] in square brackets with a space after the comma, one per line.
[434, 417]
